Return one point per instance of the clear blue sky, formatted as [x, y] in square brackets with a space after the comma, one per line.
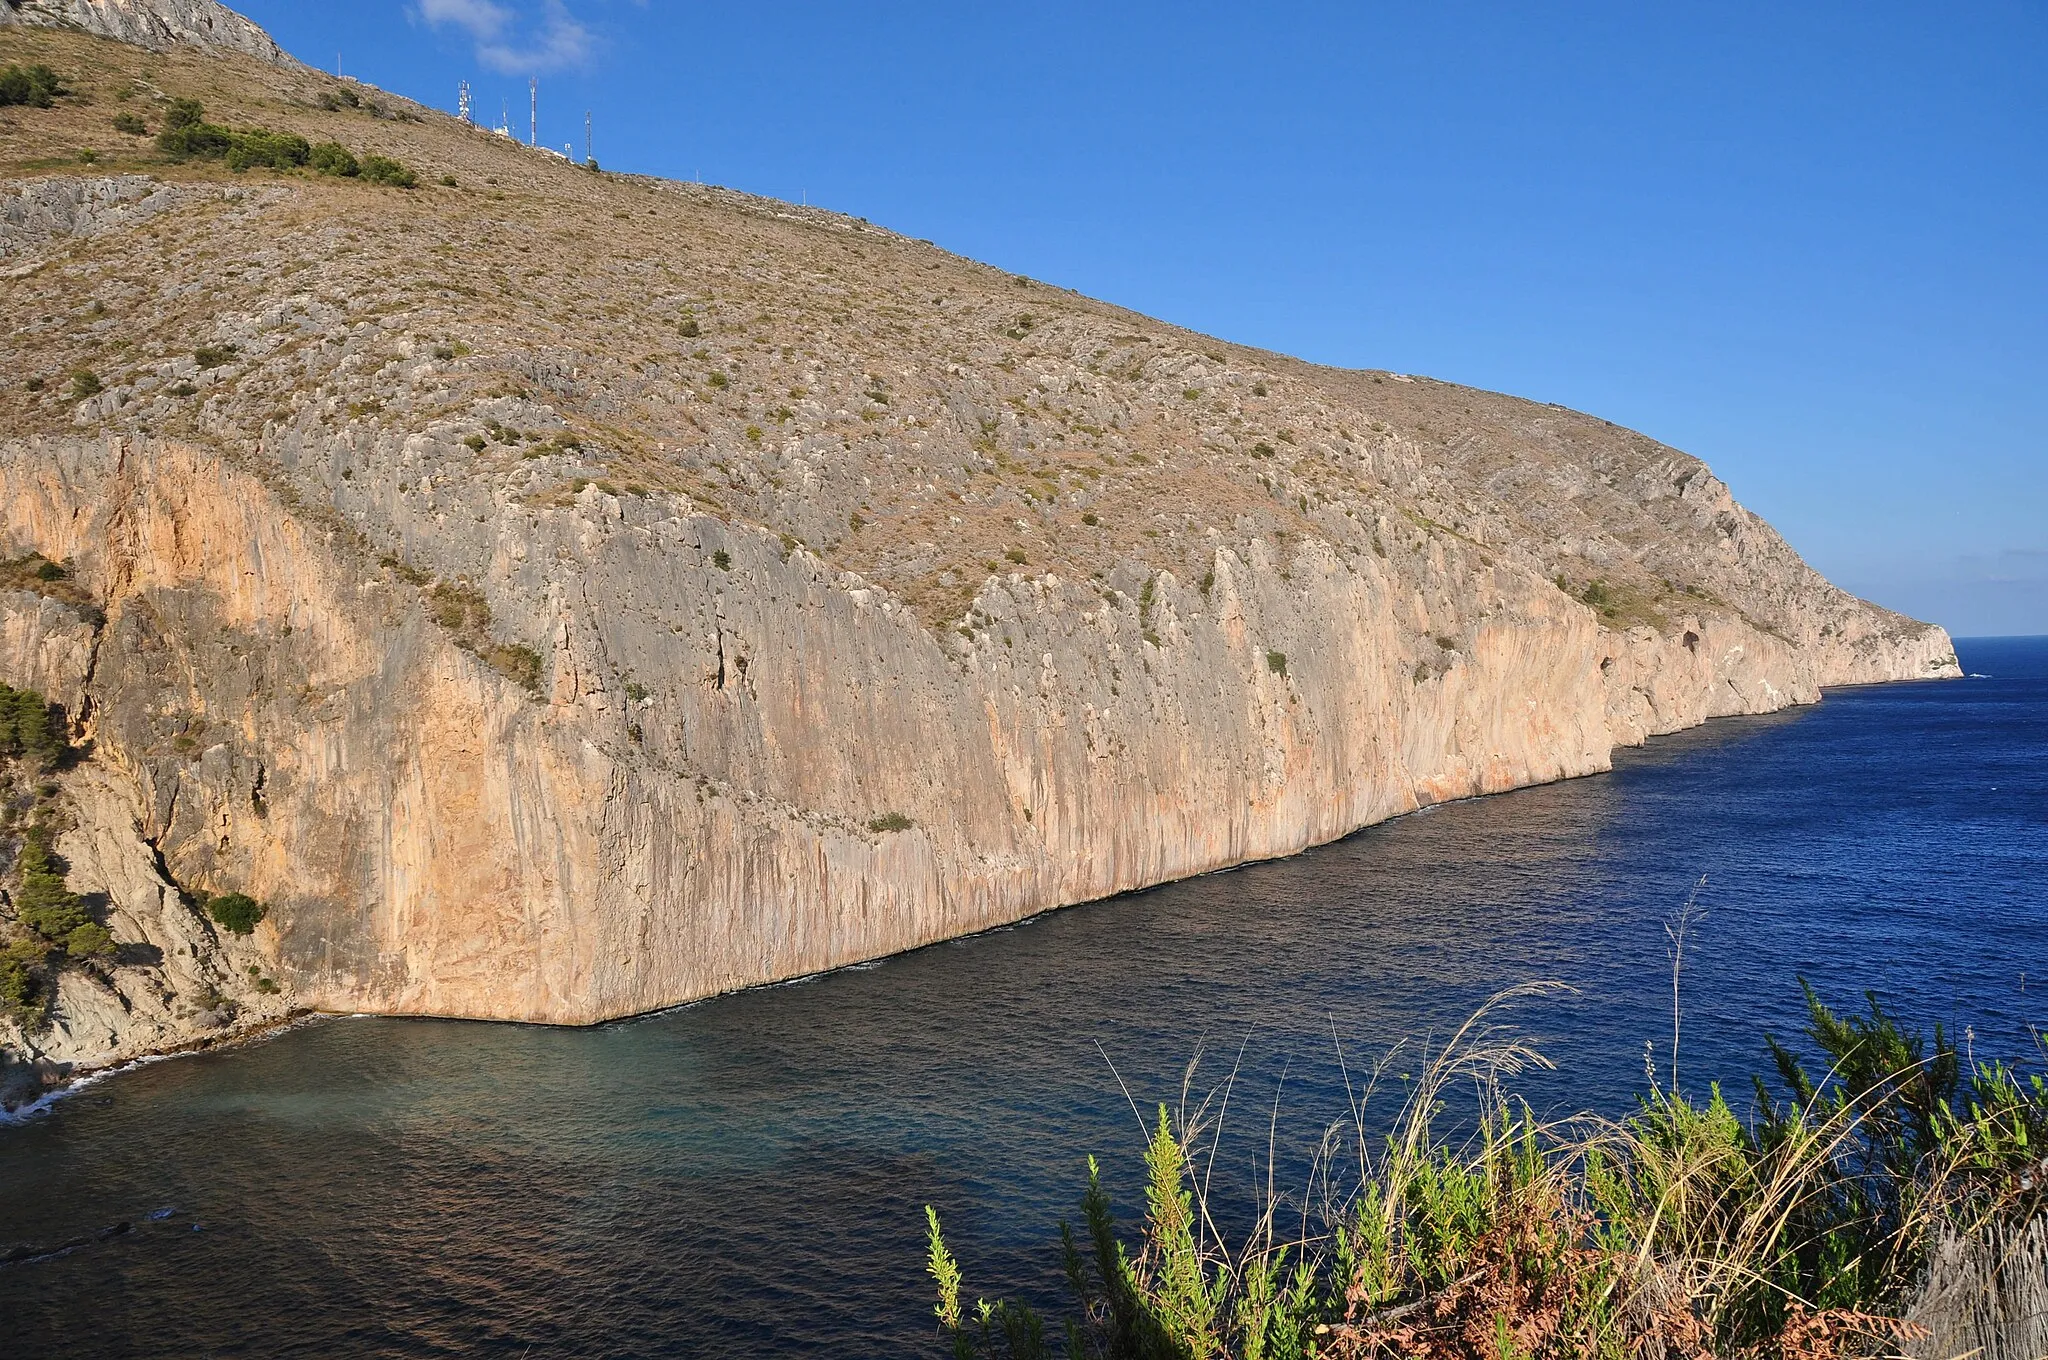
[1807, 243]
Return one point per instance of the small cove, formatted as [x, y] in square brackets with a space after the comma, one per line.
[746, 1176]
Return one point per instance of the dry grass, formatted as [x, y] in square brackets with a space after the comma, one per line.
[781, 366]
[1681, 1231]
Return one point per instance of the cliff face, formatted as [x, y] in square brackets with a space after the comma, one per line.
[727, 591]
[151, 23]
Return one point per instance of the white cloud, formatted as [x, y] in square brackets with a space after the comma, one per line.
[513, 43]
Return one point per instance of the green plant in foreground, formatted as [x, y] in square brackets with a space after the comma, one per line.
[1683, 1230]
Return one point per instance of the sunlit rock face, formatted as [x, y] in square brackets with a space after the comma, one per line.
[151, 23]
[558, 595]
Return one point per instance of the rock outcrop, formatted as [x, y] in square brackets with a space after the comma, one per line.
[726, 591]
[151, 23]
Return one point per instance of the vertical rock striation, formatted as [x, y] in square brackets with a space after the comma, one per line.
[558, 595]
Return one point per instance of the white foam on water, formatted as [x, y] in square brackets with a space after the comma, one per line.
[43, 1104]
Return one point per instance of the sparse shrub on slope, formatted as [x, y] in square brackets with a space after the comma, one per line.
[271, 150]
[186, 135]
[36, 86]
[384, 170]
[332, 158]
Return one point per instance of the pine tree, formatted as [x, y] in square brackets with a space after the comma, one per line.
[37, 736]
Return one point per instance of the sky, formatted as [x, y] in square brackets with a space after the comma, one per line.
[1807, 243]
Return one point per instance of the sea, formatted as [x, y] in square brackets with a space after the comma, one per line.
[748, 1176]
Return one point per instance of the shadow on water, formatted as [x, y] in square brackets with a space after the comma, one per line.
[745, 1176]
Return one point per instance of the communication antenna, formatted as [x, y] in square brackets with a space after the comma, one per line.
[463, 110]
[586, 135]
[533, 134]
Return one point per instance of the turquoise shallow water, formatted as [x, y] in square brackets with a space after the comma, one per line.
[745, 1177]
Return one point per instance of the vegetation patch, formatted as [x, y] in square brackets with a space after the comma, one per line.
[236, 912]
[1806, 1232]
[186, 135]
[36, 86]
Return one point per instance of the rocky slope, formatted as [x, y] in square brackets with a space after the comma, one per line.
[559, 595]
[150, 23]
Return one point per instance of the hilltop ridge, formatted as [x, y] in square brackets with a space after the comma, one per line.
[559, 594]
[151, 23]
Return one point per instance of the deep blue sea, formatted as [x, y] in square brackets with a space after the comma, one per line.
[746, 1176]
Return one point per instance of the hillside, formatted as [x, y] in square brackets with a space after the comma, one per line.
[559, 594]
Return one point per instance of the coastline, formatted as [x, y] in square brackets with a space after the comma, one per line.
[59, 1080]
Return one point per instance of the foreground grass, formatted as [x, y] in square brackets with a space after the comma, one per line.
[1884, 1207]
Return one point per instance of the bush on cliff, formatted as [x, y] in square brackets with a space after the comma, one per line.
[44, 901]
[31, 727]
[1804, 1233]
[21, 986]
[236, 913]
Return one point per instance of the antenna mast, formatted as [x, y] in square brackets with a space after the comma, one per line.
[533, 87]
[586, 135]
[463, 110]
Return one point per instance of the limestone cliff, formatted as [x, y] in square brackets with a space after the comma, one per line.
[151, 23]
[689, 590]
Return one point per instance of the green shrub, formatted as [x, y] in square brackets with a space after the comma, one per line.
[688, 328]
[517, 663]
[1804, 1232]
[1015, 555]
[213, 356]
[36, 86]
[187, 135]
[44, 902]
[267, 149]
[91, 940]
[130, 124]
[719, 380]
[1276, 662]
[236, 912]
[20, 986]
[383, 170]
[722, 560]
[332, 158]
[890, 821]
[30, 725]
[85, 383]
